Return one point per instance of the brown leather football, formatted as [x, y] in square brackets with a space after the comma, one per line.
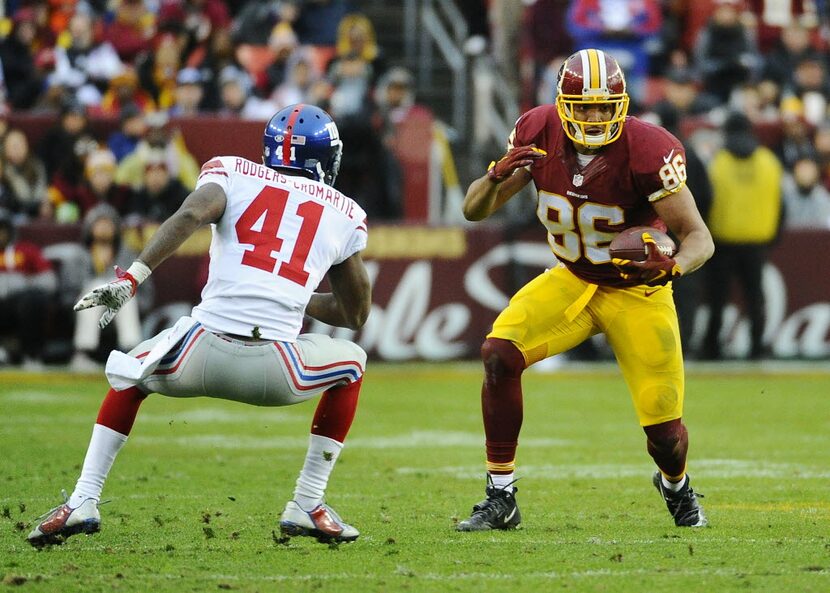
[629, 243]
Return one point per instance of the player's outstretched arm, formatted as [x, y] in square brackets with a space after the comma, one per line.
[681, 215]
[201, 207]
[351, 298]
[504, 178]
[204, 205]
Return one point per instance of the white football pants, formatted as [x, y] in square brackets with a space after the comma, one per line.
[260, 373]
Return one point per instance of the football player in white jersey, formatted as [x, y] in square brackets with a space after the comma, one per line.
[278, 229]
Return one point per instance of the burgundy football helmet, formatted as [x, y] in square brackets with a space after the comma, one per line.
[591, 77]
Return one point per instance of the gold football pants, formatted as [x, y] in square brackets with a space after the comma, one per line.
[557, 310]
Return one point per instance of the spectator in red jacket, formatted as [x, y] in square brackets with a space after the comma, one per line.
[27, 283]
[132, 30]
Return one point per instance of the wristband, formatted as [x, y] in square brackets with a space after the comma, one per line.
[139, 270]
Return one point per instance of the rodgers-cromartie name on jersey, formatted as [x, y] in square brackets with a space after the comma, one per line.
[312, 188]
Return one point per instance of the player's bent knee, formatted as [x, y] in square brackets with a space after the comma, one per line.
[659, 403]
[666, 435]
[502, 358]
[356, 355]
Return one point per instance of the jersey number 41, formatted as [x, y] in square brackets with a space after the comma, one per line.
[272, 202]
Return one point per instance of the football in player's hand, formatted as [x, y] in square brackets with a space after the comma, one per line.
[629, 243]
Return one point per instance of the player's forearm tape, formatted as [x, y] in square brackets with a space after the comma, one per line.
[139, 271]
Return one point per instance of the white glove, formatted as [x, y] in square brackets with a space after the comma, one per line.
[113, 295]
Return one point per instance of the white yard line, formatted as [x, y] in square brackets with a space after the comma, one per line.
[412, 440]
[706, 468]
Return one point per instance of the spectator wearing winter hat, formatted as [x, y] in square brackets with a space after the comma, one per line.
[806, 200]
[131, 129]
[99, 184]
[283, 44]
[745, 220]
[235, 91]
[796, 140]
[124, 90]
[726, 54]
[85, 65]
[188, 94]
[102, 237]
[57, 147]
[160, 136]
[161, 195]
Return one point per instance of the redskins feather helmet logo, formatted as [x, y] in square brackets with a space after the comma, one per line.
[591, 78]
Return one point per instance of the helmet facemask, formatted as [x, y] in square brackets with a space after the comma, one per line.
[577, 129]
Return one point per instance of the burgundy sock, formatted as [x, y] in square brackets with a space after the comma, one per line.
[501, 403]
[668, 443]
[336, 410]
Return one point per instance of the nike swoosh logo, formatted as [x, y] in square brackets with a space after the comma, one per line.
[510, 516]
[667, 159]
[648, 293]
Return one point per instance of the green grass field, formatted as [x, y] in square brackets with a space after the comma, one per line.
[196, 493]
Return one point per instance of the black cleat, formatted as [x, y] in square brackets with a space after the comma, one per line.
[498, 511]
[683, 504]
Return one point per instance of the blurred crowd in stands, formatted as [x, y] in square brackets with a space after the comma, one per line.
[147, 62]
[744, 84]
[691, 66]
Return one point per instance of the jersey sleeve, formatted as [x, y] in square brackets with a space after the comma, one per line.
[529, 128]
[356, 242]
[216, 170]
[659, 164]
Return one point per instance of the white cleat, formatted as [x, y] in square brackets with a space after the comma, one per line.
[63, 522]
[320, 522]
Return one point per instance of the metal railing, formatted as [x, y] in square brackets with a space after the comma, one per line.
[435, 34]
[443, 28]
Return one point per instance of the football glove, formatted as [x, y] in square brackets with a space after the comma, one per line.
[656, 270]
[112, 295]
[515, 158]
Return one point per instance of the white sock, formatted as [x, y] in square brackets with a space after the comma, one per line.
[319, 461]
[502, 480]
[673, 486]
[103, 447]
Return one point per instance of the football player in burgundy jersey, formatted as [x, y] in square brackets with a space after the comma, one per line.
[596, 171]
[242, 342]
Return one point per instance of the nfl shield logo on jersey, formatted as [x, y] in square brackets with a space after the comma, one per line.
[577, 180]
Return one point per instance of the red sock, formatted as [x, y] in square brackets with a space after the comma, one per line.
[501, 403]
[336, 410]
[119, 409]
